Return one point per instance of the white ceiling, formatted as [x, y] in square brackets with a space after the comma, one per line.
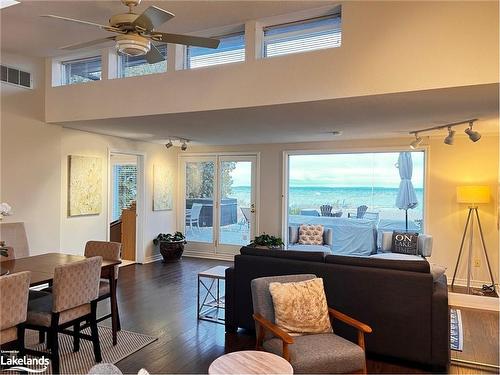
[379, 116]
[24, 32]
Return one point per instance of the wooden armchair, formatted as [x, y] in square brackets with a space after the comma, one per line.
[316, 353]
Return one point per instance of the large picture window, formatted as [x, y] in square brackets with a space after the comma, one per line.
[357, 186]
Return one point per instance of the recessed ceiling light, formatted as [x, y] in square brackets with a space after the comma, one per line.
[336, 133]
[7, 3]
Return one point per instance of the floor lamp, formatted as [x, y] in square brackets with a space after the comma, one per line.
[472, 195]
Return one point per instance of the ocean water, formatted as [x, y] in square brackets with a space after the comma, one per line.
[347, 199]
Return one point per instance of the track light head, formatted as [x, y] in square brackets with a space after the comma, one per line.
[474, 136]
[184, 145]
[418, 140]
[169, 144]
[450, 138]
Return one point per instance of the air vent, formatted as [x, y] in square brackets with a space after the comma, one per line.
[16, 77]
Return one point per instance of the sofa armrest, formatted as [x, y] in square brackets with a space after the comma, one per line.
[425, 245]
[230, 303]
[440, 324]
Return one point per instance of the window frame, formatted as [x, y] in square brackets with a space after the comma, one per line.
[242, 31]
[332, 15]
[63, 63]
[286, 172]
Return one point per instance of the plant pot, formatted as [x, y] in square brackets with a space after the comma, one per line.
[171, 251]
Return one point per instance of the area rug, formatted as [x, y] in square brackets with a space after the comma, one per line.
[456, 330]
[81, 362]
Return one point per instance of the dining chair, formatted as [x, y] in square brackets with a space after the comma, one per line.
[14, 235]
[13, 309]
[310, 353]
[75, 290]
[108, 251]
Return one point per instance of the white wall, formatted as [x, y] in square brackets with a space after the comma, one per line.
[30, 153]
[387, 47]
[34, 165]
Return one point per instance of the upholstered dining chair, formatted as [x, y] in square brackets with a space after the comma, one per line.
[75, 290]
[312, 353]
[108, 251]
[14, 295]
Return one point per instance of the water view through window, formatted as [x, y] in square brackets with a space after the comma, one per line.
[356, 186]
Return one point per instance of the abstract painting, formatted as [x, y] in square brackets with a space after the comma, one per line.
[163, 188]
[84, 185]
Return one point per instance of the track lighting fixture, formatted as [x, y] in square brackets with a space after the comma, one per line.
[474, 136]
[418, 140]
[169, 144]
[184, 145]
[450, 138]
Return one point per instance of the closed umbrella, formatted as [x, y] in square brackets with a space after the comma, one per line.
[407, 198]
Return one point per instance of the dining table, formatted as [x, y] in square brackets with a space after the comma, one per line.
[42, 269]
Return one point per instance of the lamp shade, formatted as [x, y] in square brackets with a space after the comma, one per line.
[473, 194]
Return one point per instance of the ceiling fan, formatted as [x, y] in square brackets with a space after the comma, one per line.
[137, 31]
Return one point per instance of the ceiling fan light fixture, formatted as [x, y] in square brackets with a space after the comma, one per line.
[132, 45]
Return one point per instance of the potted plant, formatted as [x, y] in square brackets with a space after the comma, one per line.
[267, 241]
[171, 246]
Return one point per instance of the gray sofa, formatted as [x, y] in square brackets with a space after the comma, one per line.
[355, 237]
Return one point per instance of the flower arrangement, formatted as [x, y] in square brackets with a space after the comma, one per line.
[5, 210]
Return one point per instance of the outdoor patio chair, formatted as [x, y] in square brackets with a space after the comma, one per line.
[193, 215]
[360, 212]
[326, 210]
[246, 211]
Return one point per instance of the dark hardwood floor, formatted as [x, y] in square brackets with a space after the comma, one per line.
[160, 300]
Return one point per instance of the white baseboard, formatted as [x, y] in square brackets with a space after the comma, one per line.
[152, 258]
[473, 283]
[473, 301]
[195, 254]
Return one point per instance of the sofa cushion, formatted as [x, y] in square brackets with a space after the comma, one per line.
[310, 256]
[300, 307]
[421, 266]
[397, 256]
[308, 248]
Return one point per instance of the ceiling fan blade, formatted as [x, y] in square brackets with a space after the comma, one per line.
[154, 55]
[88, 44]
[152, 17]
[104, 27]
[188, 40]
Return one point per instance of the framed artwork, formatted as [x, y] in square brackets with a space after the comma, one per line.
[163, 188]
[84, 185]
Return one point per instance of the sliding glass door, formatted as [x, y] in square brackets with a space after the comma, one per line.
[219, 202]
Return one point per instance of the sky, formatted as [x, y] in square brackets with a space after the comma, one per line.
[342, 170]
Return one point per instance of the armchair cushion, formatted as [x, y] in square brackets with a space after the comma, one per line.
[301, 307]
[321, 353]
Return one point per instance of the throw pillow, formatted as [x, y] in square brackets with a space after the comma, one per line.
[300, 307]
[405, 243]
[311, 234]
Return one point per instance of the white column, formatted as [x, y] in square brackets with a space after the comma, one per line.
[253, 40]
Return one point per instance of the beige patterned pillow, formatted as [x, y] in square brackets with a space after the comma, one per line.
[301, 307]
[311, 234]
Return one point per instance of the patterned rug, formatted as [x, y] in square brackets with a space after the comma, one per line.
[456, 330]
[81, 362]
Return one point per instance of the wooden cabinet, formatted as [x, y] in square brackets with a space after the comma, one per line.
[128, 233]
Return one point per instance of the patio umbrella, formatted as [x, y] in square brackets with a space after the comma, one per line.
[407, 198]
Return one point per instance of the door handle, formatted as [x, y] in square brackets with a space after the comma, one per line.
[252, 208]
